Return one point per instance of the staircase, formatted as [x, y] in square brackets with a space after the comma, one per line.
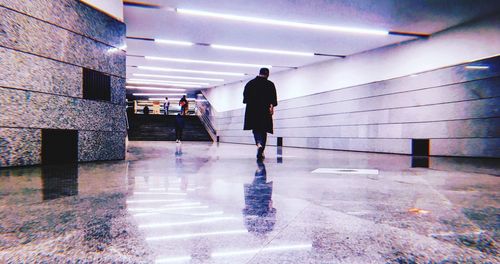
[162, 128]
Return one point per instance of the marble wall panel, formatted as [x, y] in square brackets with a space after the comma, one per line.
[30, 72]
[472, 147]
[450, 93]
[444, 129]
[20, 146]
[23, 33]
[75, 16]
[486, 108]
[38, 110]
[99, 145]
[473, 128]
[440, 77]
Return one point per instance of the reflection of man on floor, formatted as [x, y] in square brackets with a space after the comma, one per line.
[260, 216]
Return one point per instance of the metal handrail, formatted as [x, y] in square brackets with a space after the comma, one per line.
[208, 124]
[202, 109]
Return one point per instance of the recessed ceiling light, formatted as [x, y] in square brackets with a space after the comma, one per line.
[156, 88]
[158, 94]
[275, 51]
[477, 67]
[160, 83]
[177, 77]
[274, 22]
[189, 235]
[169, 82]
[191, 71]
[170, 99]
[174, 42]
[207, 62]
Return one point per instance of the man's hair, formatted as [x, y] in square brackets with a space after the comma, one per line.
[264, 71]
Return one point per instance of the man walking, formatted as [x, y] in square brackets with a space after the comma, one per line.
[260, 98]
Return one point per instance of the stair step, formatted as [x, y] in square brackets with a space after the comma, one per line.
[162, 128]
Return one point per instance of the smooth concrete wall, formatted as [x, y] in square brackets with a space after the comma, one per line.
[456, 108]
[44, 46]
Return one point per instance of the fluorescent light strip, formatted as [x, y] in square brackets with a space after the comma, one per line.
[177, 77]
[173, 259]
[174, 42]
[157, 94]
[145, 214]
[477, 67]
[154, 201]
[258, 20]
[170, 99]
[345, 171]
[202, 221]
[163, 193]
[284, 52]
[168, 209]
[165, 206]
[208, 62]
[163, 83]
[207, 214]
[230, 232]
[267, 249]
[157, 88]
[156, 189]
[168, 82]
[190, 71]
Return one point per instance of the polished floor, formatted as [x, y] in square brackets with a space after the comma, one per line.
[214, 203]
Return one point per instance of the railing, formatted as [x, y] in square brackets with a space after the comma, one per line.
[203, 110]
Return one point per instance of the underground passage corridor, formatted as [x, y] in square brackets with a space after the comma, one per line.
[250, 131]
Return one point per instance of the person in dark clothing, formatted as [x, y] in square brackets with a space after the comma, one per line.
[145, 110]
[184, 105]
[179, 126]
[260, 99]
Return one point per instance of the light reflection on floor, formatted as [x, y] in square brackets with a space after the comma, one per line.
[213, 203]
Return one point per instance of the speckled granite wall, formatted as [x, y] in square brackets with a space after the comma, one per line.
[19, 70]
[20, 146]
[97, 145]
[44, 46]
[24, 33]
[74, 16]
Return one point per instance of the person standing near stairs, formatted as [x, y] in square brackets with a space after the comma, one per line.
[184, 105]
[179, 127]
[166, 105]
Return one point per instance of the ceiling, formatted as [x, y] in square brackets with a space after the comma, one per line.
[163, 22]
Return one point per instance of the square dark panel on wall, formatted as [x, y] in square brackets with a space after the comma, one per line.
[420, 147]
[59, 146]
[96, 85]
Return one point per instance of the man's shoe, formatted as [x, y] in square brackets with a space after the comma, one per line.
[260, 152]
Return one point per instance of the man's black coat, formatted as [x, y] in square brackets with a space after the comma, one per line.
[259, 94]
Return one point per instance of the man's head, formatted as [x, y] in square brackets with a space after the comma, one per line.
[264, 72]
[166, 98]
